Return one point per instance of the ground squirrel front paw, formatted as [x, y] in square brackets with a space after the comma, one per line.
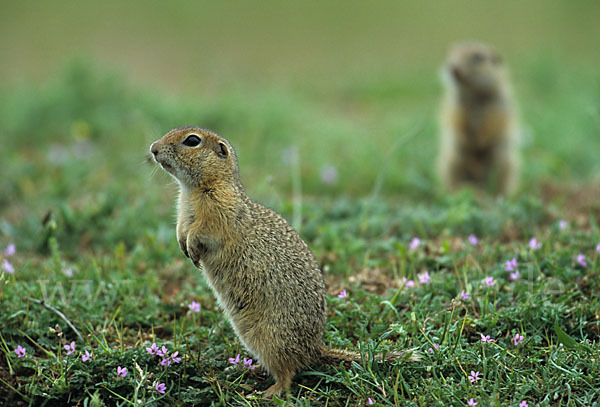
[183, 247]
[195, 250]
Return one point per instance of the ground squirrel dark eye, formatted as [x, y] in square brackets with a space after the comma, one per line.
[477, 58]
[192, 141]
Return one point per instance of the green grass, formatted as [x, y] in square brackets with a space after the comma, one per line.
[77, 193]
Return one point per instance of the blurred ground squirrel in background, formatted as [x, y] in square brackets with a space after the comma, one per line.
[478, 121]
[263, 274]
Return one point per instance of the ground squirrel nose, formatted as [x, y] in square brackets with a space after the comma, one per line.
[154, 148]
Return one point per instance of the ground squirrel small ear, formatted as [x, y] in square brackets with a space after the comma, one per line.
[222, 150]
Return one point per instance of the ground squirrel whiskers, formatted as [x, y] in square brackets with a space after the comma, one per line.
[263, 274]
[478, 121]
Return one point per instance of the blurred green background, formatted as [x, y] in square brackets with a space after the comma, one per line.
[352, 86]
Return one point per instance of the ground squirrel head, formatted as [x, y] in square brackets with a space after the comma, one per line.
[196, 157]
[475, 68]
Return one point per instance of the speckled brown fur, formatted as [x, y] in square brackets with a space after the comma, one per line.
[263, 274]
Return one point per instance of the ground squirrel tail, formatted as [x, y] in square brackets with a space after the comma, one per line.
[335, 356]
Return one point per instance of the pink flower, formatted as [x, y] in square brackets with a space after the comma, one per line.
[465, 295]
[20, 351]
[174, 357]
[598, 248]
[534, 244]
[162, 352]
[486, 339]
[474, 376]
[523, 404]
[414, 243]
[121, 371]
[489, 281]
[581, 260]
[10, 250]
[160, 387]
[248, 364]
[513, 276]
[329, 175]
[343, 294]
[194, 306]
[86, 356]
[563, 224]
[70, 348]
[408, 283]
[510, 265]
[153, 350]
[166, 362]
[8, 267]
[473, 240]
[236, 360]
[436, 346]
[518, 338]
[370, 401]
[424, 277]
[472, 402]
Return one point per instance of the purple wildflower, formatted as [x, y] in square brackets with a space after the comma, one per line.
[86, 356]
[121, 371]
[370, 401]
[518, 338]
[10, 250]
[68, 272]
[174, 357]
[510, 265]
[474, 376]
[472, 402]
[408, 283]
[581, 260]
[436, 346]
[489, 281]
[465, 295]
[534, 244]
[424, 278]
[329, 175]
[160, 387]
[162, 352]
[473, 240]
[414, 243]
[513, 276]
[486, 339]
[343, 294]
[236, 360]
[70, 348]
[20, 351]
[194, 306]
[166, 362]
[563, 224]
[248, 364]
[598, 248]
[153, 350]
[8, 267]
[523, 404]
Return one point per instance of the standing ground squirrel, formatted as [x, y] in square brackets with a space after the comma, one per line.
[478, 122]
[263, 274]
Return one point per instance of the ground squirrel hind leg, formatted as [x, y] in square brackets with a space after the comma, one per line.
[283, 379]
